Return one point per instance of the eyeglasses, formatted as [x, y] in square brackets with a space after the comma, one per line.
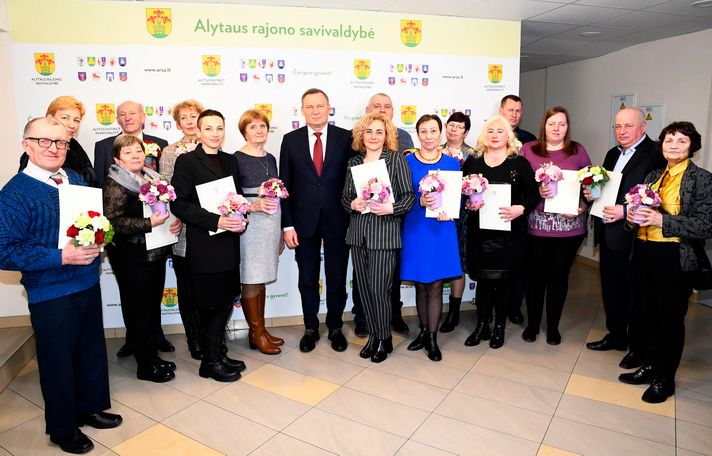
[454, 126]
[46, 143]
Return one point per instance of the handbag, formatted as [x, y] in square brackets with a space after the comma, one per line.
[702, 277]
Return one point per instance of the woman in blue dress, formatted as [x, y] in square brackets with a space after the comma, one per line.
[430, 253]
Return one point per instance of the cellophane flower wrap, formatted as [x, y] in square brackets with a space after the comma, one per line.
[595, 176]
[183, 147]
[152, 149]
[234, 204]
[91, 228]
[273, 188]
[643, 195]
[431, 183]
[156, 190]
[474, 183]
[548, 172]
[376, 190]
[454, 152]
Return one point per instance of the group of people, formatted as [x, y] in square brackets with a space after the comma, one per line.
[389, 240]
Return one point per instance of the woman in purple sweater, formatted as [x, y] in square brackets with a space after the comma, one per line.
[554, 239]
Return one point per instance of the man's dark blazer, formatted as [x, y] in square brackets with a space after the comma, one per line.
[104, 158]
[205, 254]
[647, 157]
[311, 195]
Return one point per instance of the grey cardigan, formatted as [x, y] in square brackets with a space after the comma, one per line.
[695, 219]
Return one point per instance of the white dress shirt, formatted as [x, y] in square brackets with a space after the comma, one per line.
[44, 175]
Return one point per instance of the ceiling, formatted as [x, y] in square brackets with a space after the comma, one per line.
[553, 31]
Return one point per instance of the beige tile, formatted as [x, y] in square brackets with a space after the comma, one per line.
[683, 452]
[155, 400]
[590, 440]
[318, 366]
[512, 393]
[452, 346]
[426, 371]
[413, 448]
[617, 393]
[398, 389]
[695, 370]
[496, 416]
[351, 355]
[694, 437]
[281, 445]
[16, 410]
[546, 450]
[27, 384]
[269, 409]
[3, 452]
[597, 368]
[684, 385]
[693, 407]
[118, 372]
[133, 423]
[29, 438]
[189, 382]
[645, 425]
[159, 440]
[515, 349]
[463, 438]
[374, 411]
[234, 435]
[302, 388]
[494, 366]
[342, 436]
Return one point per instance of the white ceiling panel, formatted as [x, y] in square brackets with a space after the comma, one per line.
[553, 46]
[680, 7]
[604, 34]
[511, 9]
[628, 4]
[542, 29]
[641, 20]
[579, 14]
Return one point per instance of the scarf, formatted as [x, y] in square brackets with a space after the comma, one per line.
[129, 180]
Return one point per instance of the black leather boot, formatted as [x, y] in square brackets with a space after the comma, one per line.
[212, 365]
[419, 341]
[432, 347]
[452, 319]
[369, 349]
[233, 363]
[382, 348]
[497, 335]
[481, 332]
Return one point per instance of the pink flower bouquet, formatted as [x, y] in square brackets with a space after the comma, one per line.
[234, 206]
[376, 190]
[642, 195]
[273, 188]
[549, 173]
[473, 186]
[157, 193]
[434, 185]
[454, 152]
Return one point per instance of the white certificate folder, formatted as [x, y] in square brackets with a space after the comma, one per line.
[212, 193]
[73, 200]
[495, 197]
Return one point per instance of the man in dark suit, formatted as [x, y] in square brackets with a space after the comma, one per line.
[131, 118]
[635, 156]
[512, 108]
[313, 163]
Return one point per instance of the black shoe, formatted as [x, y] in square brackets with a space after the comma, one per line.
[369, 349]
[338, 341]
[101, 420]
[529, 334]
[640, 377]
[497, 339]
[361, 330]
[659, 391]
[419, 341]
[605, 344]
[452, 319]
[553, 337]
[218, 371]
[196, 350]
[431, 345]
[308, 341]
[76, 444]
[481, 332]
[154, 374]
[382, 350]
[125, 351]
[165, 346]
[516, 317]
[399, 325]
[631, 361]
[163, 364]
[232, 363]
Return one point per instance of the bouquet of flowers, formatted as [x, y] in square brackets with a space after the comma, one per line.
[473, 186]
[549, 173]
[376, 190]
[157, 193]
[234, 206]
[642, 195]
[454, 152]
[184, 146]
[153, 153]
[433, 184]
[593, 178]
[91, 228]
[273, 188]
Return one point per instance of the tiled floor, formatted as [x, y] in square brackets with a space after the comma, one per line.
[524, 399]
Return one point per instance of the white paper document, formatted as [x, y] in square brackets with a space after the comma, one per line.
[451, 195]
[159, 235]
[496, 196]
[608, 194]
[362, 173]
[568, 196]
[211, 194]
[73, 200]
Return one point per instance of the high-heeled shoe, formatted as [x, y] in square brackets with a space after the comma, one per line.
[419, 341]
[481, 332]
[497, 339]
[434, 353]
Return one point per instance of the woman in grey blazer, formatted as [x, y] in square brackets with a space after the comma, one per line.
[664, 257]
[375, 235]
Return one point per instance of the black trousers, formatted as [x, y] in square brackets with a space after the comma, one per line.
[373, 270]
[188, 311]
[663, 289]
[550, 261]
[141, 286]
[214, 295]
[336, 257]
[620, 301]
[71, 355]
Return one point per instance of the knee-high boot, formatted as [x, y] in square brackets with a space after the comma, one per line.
[256, 321]
[274, 339]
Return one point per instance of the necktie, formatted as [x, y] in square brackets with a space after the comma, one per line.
[57, 178]
[318, 153]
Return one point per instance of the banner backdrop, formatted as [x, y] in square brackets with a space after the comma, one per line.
[233, 58]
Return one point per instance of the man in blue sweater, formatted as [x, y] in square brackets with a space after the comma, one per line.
[62, 289]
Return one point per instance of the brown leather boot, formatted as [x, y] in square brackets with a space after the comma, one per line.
[256, 321]
[274, 339]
